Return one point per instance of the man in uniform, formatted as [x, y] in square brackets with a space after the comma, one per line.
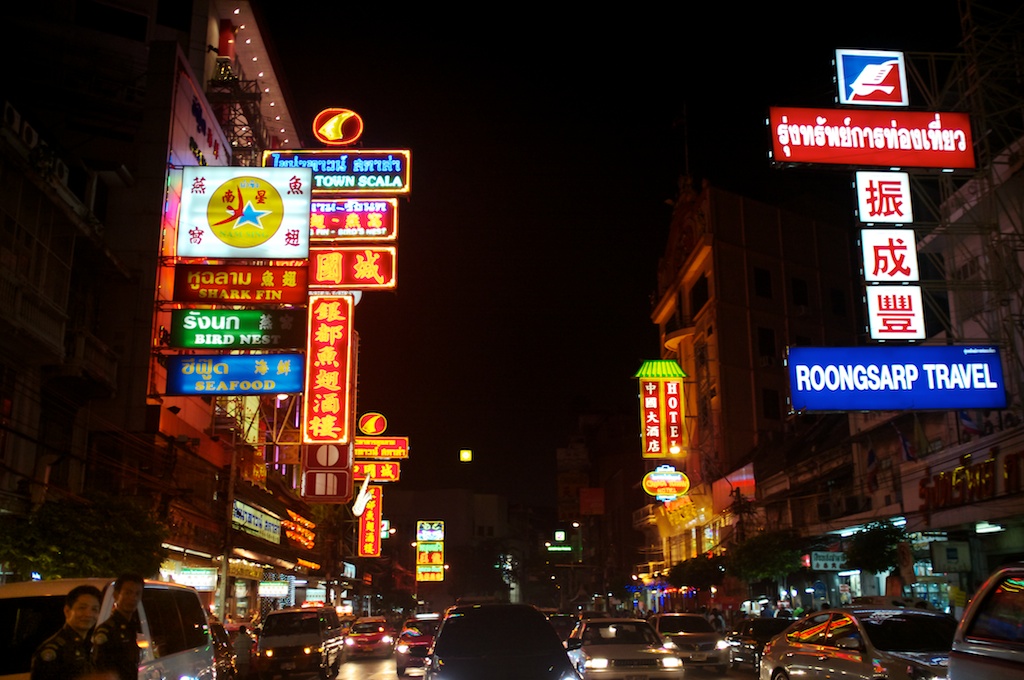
[67, 655]
[115, 642]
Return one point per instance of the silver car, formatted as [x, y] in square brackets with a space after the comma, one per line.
[989, 641]
[621, 649]
[856, 643]
[698, 644]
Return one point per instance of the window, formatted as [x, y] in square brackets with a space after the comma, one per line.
[770, 407]
[842, 626]
[762, 283]
[176, 620]
[699, 295]
[1001, 615]
[811, 631]
[800, 292]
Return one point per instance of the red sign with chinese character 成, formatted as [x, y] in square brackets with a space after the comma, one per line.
[370, 523]
[353, 268]
[661, 412]
[909, 139]
[327, 406]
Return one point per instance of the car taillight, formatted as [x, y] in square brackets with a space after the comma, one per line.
[766, 649]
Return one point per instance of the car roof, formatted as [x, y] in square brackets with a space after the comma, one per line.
[614, 619]
[63, 586]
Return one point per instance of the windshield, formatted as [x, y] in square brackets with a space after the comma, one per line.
[905, 632]
[418, 627]
[367, 627]
[669, 625]
[620, 633]
[292, 624]
[500, 631]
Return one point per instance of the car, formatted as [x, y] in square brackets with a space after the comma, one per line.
[175, 642]
[370, 636]
[414, 641]
[224, 651]
[989, 640]
[299, 641]
[699, 644]
[497, 641]
[563, 623]
[749, 636]
[862, 643]
[622, 649]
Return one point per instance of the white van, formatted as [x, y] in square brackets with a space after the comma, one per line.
[175, 638]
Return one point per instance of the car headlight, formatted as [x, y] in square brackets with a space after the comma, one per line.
[721, 644]
[596, 662]
[350, 641]
[308, 650]
[402, 648]
[671, 662]
[669, 645]
[386, 639]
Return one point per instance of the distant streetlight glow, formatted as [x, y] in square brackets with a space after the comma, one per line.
[466, 456]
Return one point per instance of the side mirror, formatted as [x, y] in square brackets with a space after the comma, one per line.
[573, 643]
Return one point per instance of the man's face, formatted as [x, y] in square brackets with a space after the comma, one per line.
[127, 599]
[82, 615]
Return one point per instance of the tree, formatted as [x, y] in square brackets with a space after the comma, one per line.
[767, 555]
[875, 547]
[699, 572]
[102, 535]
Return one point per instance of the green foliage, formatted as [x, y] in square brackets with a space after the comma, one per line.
[874, 548]
[700, 572]
[764, 555]
[102, 536]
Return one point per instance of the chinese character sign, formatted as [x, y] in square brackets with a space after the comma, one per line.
[377, 471]
[353, 219]
[661, 412]
[890, 255]
[430, 552]
[251, 213]
[370, 524]
[884, 197]
[326, 411]
[353, 268]
[895, 313]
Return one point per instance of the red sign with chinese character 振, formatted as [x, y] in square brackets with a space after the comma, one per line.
[240, 285]
[370, 523]
[892, 138]
[884, 198]
[353, 268]
[661, 412]
[327, 406]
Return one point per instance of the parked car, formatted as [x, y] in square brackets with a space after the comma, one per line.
[299, 641]
[989, 641]
[414, 641]
[699, 645]
[749, 636]
[622, 649]
[497, 642]
[856, 643]
[176, 640]
[370, 636]
[563, 624]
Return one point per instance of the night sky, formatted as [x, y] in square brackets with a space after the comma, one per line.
[544, 150]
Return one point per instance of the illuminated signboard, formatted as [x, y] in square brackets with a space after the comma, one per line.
[377, 471]
[326, 410]
[189, 375]
[372, 423]
[666, 483]
[255, 522]
[872, 77]
[884, 198]
[353, 219]
[327, 473]
[349, 172]
[429, 530]
[240, 284]
[895, 378]
[910, 139]
[890, 255]
[895, 312]
[353, 268]
[661, 408]
[429, 572]
[382, 447]
[430, 552]
[244, 212]
[238, 329]
[370, 524]
[337, 127]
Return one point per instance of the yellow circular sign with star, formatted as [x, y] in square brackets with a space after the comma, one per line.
[245, 212]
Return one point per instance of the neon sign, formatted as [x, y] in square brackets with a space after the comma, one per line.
[349, 172]
[326, 411]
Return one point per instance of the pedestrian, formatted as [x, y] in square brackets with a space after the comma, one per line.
[67, 655]
[717, 620]
[242, 643]
[115, 642]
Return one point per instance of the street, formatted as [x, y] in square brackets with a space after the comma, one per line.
[379, 669]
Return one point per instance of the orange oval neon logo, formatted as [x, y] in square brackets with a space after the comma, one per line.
[337, 127]
[372, 423]
[666, 482]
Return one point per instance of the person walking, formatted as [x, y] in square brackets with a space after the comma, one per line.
[115, 641]
[243, 652]
[67, 655]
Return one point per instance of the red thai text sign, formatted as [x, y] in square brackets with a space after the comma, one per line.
[327, 406]
[370, 523]
[381, 447]
[353, 268]
[240, 284]
[661, 413]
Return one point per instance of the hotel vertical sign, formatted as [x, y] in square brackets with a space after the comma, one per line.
[661, 408]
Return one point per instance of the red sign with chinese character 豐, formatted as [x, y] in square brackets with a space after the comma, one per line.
[327, 406]
[370, 523]
[895, 313]
[661, 412]
[353, 268]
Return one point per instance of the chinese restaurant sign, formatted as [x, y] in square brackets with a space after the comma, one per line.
[238, 329]
[895, 312]
[666, 483]
[430, 552]
[326, 411]
[884, 197]
[895, 138]
[189, 375]
[240, 284]
[384, 471]
[661, 408]
[353, 219]
[349, 172]
[352, 268]
[252, 213]
[370, 524]
[896, 378]
[872, 78]
[382, 447]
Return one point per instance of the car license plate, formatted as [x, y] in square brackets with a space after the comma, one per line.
[288, 666]
[635, 677]
[698, 656]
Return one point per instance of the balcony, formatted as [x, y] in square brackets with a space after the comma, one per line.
[676, 329]
[645, 517]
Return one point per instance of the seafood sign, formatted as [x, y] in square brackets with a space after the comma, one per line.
[190, 375]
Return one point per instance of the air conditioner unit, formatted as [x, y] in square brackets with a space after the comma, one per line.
[12, 119]
[29, 136]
